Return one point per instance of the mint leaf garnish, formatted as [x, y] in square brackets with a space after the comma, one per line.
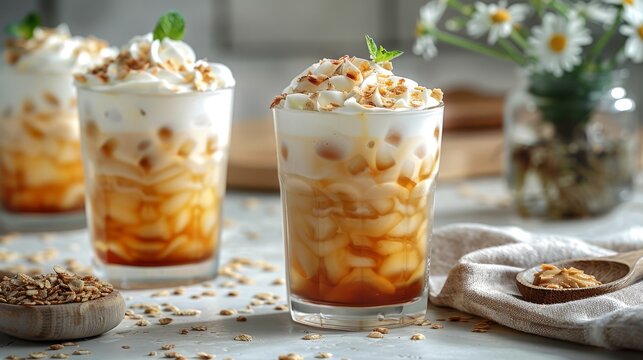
[380, 55]
[25, 28]
[171, 25]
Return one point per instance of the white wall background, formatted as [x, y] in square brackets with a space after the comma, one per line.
[267, 42]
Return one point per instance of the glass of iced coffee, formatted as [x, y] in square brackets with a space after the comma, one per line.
[41, 174]
[358, 153]
[155, 126]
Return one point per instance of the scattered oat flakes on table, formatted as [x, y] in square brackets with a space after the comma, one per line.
[382, 330]
[312, 336]
[375, 335]
[291, 356]
[243, 337]
[418, 336]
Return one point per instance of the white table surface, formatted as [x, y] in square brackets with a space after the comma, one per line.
[274, 333]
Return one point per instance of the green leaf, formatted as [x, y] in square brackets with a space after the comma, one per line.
[25, 28]
[171, 25]
[380, 55]
[390, 55]
[372, 47]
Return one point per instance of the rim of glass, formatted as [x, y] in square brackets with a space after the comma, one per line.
[429, 110]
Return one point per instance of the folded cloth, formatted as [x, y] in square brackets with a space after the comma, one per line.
[474, 267]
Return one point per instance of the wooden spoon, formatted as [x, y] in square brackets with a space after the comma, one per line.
[615, 272]
[64, 321]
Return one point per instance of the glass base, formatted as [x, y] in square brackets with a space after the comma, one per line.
[357, 318]
[35, 222]
[143, 277]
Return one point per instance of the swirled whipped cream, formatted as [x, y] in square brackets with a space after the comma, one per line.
[146, 65]
[54, 50]
[351, 84]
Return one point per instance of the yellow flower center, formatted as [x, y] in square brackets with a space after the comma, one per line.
[557, 43]
[419, 29]
[628, 2]
[500, 16]
[640, 30]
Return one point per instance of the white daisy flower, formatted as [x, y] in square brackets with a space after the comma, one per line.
[628, 5]
[633, 29]
[625, 3]
[430, 14]
[596, 11]
[498, 20]
[557, 43]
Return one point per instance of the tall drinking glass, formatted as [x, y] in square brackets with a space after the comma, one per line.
[357, 192]
[41, 174]
[155, 170]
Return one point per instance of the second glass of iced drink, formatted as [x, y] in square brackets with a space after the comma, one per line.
[155, 128]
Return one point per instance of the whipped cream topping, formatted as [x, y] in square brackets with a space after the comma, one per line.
[146, 65]
[351, 84]
[54, 50]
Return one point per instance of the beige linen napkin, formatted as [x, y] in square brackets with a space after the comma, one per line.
[473, 269]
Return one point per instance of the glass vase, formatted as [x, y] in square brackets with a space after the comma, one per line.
[571, 144]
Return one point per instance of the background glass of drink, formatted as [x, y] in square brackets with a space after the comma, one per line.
[357, 193]
[41, 174]
[155, 168]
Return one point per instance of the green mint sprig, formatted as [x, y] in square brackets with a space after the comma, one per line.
[25, 28]
[380, 55]
[171, 25]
